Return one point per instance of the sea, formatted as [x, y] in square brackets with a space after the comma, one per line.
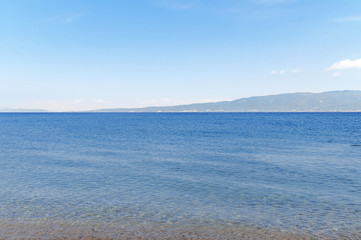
[156, 175]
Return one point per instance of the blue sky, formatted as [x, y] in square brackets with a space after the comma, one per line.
[86, 54]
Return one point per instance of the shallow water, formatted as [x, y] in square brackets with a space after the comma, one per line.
[293, 172]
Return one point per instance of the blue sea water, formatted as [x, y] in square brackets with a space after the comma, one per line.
[287, 171]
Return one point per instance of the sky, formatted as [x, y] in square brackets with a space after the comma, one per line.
[73, 55]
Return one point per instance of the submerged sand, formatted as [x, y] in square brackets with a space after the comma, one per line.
[110, 231]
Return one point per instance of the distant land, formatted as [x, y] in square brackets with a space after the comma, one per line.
[333, 101]
[21, 110]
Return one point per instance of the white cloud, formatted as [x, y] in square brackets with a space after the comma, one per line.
[336, 74]
[98, 101]
[296, 70]
[346, 64]
[78, 101]
[273, 72]
[282, 71]
[349, 19]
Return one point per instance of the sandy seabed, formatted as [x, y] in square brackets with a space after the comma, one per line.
[110, 231]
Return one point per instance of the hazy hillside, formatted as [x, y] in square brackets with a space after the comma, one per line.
[334, 101]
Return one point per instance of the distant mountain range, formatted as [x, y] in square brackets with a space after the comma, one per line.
[335, 101]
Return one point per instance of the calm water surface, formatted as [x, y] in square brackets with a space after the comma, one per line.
[287, 171]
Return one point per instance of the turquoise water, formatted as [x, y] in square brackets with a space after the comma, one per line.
[287, 171]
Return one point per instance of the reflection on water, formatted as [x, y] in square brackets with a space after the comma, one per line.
[298, 173]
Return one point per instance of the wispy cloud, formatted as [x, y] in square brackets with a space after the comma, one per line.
[98, 100]
[296, 70]
[78, 101]
[283, 71]
[346, 64]
[349, 19]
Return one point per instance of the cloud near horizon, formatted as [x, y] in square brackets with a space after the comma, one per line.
[346, 64]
